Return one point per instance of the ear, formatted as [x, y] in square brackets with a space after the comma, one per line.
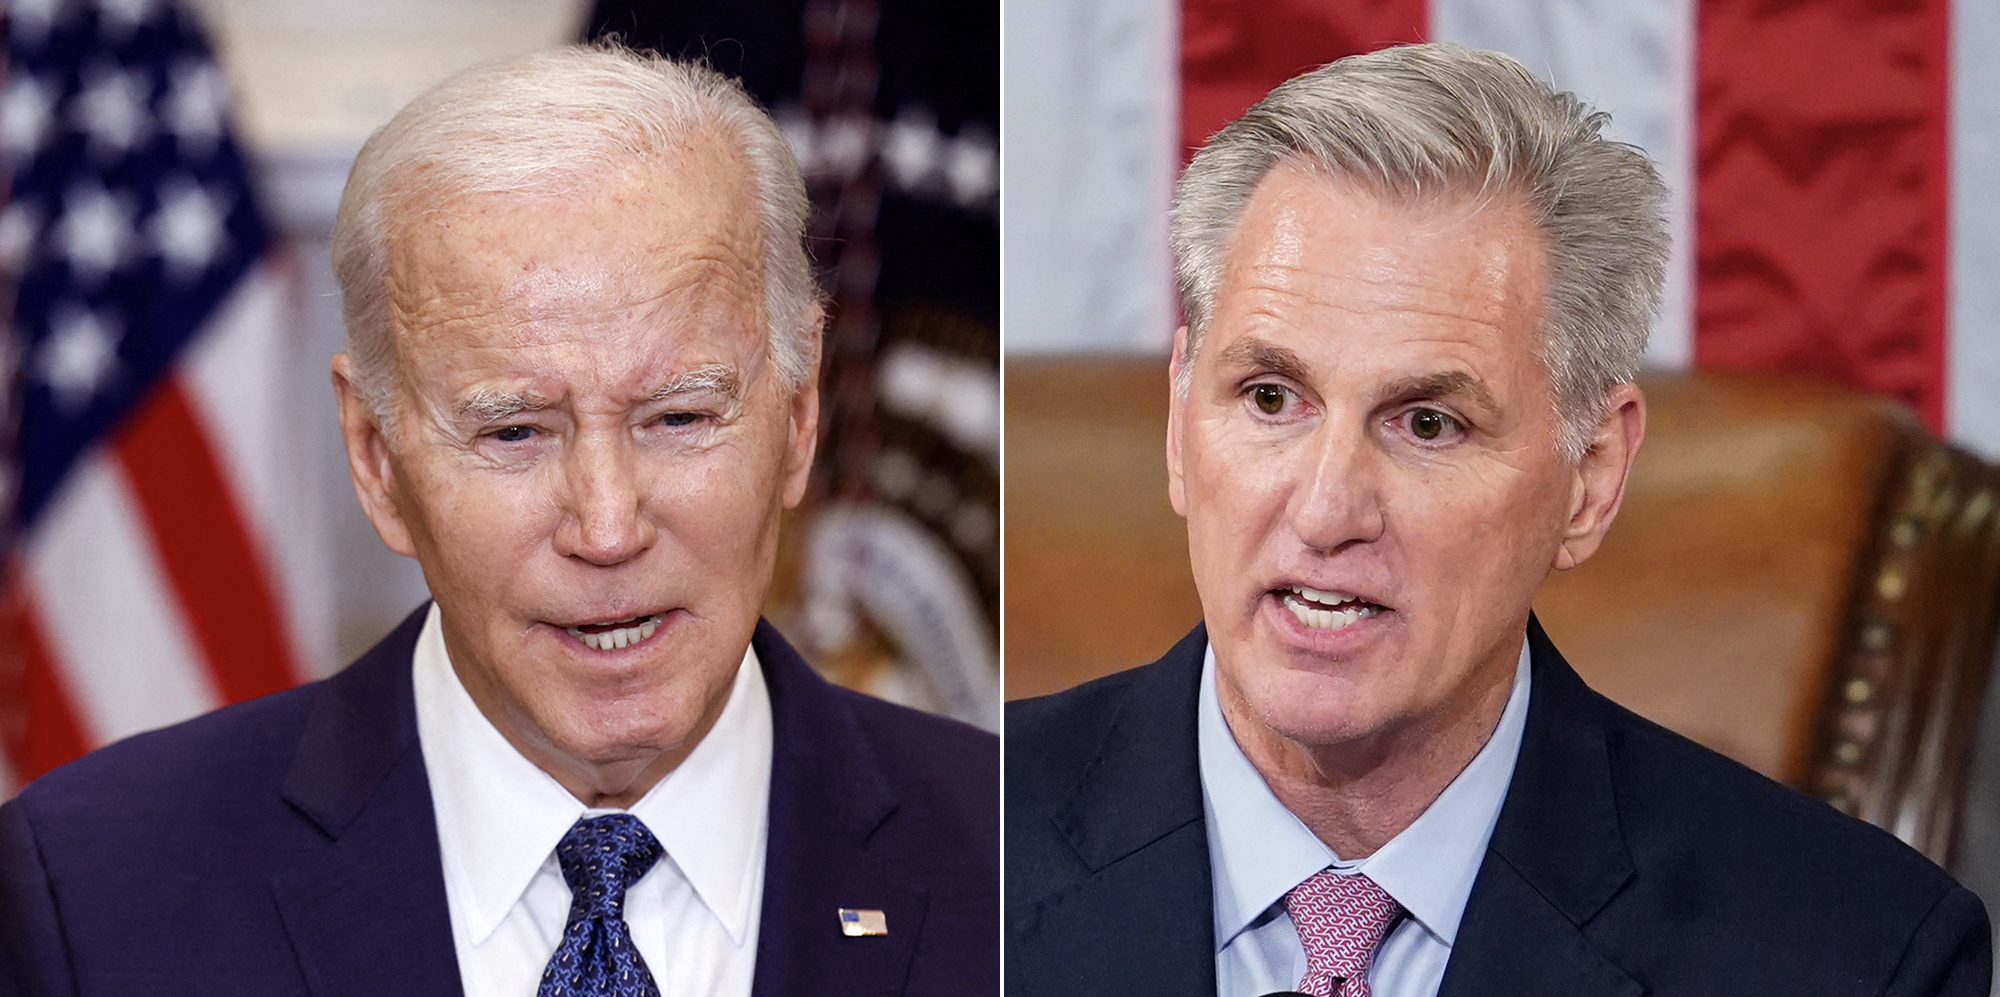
[1176, 419]
[804, 426]
[369, 461]
[1599, 485]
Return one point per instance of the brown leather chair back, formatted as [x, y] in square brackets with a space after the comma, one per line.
[1093, 558]
[1800, 577]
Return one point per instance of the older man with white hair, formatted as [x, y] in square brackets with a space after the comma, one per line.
[580, 390]
[1417, 286]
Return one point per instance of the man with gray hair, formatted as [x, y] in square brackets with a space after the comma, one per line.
[1417, 286]
[580, 389]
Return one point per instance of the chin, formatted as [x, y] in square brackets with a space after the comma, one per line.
[1322, 727]
[615, 732]
[1315, 709]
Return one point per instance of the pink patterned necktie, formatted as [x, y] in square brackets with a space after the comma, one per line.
[1341, 919]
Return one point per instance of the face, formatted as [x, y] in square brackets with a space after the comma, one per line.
[593, 450]
[1366, 459]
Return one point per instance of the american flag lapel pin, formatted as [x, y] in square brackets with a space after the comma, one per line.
[855, 923]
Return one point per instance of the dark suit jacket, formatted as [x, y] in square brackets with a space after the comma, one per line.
[1627, 860]
[287, 846]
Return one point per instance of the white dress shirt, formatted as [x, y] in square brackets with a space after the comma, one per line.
[693, 916]
[1258, 851]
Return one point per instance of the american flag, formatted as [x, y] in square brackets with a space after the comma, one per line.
[145, 466]
[1835, 167]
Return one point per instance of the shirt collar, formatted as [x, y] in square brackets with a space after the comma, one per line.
[712, 812]
[1258, 850]
[500, 817]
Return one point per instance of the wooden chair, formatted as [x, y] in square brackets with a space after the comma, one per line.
[1801, 577]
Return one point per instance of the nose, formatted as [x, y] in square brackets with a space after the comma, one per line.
[1338, 499]
[604, 517]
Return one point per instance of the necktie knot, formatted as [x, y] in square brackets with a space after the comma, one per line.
[601, 858]
[1341, 918]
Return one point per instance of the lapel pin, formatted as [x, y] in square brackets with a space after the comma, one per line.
[855, 923]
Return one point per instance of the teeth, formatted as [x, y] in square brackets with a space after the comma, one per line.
[1323, 598]
[1330, 619]
[621, 637]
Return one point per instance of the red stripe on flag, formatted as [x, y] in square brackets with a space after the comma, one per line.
[1234, 51]
[39, 724]
[205, 550]
[1821, 197]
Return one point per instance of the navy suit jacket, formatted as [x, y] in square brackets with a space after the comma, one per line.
[287, 846]
[1627, 860]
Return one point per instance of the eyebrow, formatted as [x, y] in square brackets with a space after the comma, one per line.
[1443, 384]
[490, 405]
[1259, 355]
[1263, 356]
[717, 377]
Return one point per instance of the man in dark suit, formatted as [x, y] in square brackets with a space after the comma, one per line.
[580, 389]
[1417, 286]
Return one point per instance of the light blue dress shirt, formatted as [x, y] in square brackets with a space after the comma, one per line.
[1258, 851]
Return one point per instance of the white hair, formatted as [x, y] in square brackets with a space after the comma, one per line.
[549, 123]
[1439, 122]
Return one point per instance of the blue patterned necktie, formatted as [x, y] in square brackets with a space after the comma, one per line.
[601, 858]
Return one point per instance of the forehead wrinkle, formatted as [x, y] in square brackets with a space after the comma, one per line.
[433, 281]
[1274, 246]
[1278, 303]
[656, 283]
[1375, 281]
[664, 276]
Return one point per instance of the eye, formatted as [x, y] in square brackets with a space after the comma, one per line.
[1269, 398]
[680, 418]
[513, 434]
[1429, 424]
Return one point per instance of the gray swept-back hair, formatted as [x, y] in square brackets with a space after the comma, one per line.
[550, 123]
[1440, 123]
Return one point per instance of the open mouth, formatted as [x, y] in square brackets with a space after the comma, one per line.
[616, 634]
[1323, 610]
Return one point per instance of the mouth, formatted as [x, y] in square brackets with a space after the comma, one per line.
[612, 635]
[1319, 609]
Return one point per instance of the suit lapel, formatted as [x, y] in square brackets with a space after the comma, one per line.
[1142, 921]
[1556, 859]
[828, 799]
[367, 915]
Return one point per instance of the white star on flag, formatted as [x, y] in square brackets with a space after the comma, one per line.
[188, 227]
[916, 157]
[193, 105]
[19, 225]
[30, 20]
[801, 136]
[911, 148]
[112, 109]
[845, 144]
[973, 168]
[78, 357]
[24, 116]
[125, 16]
[94, 231]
